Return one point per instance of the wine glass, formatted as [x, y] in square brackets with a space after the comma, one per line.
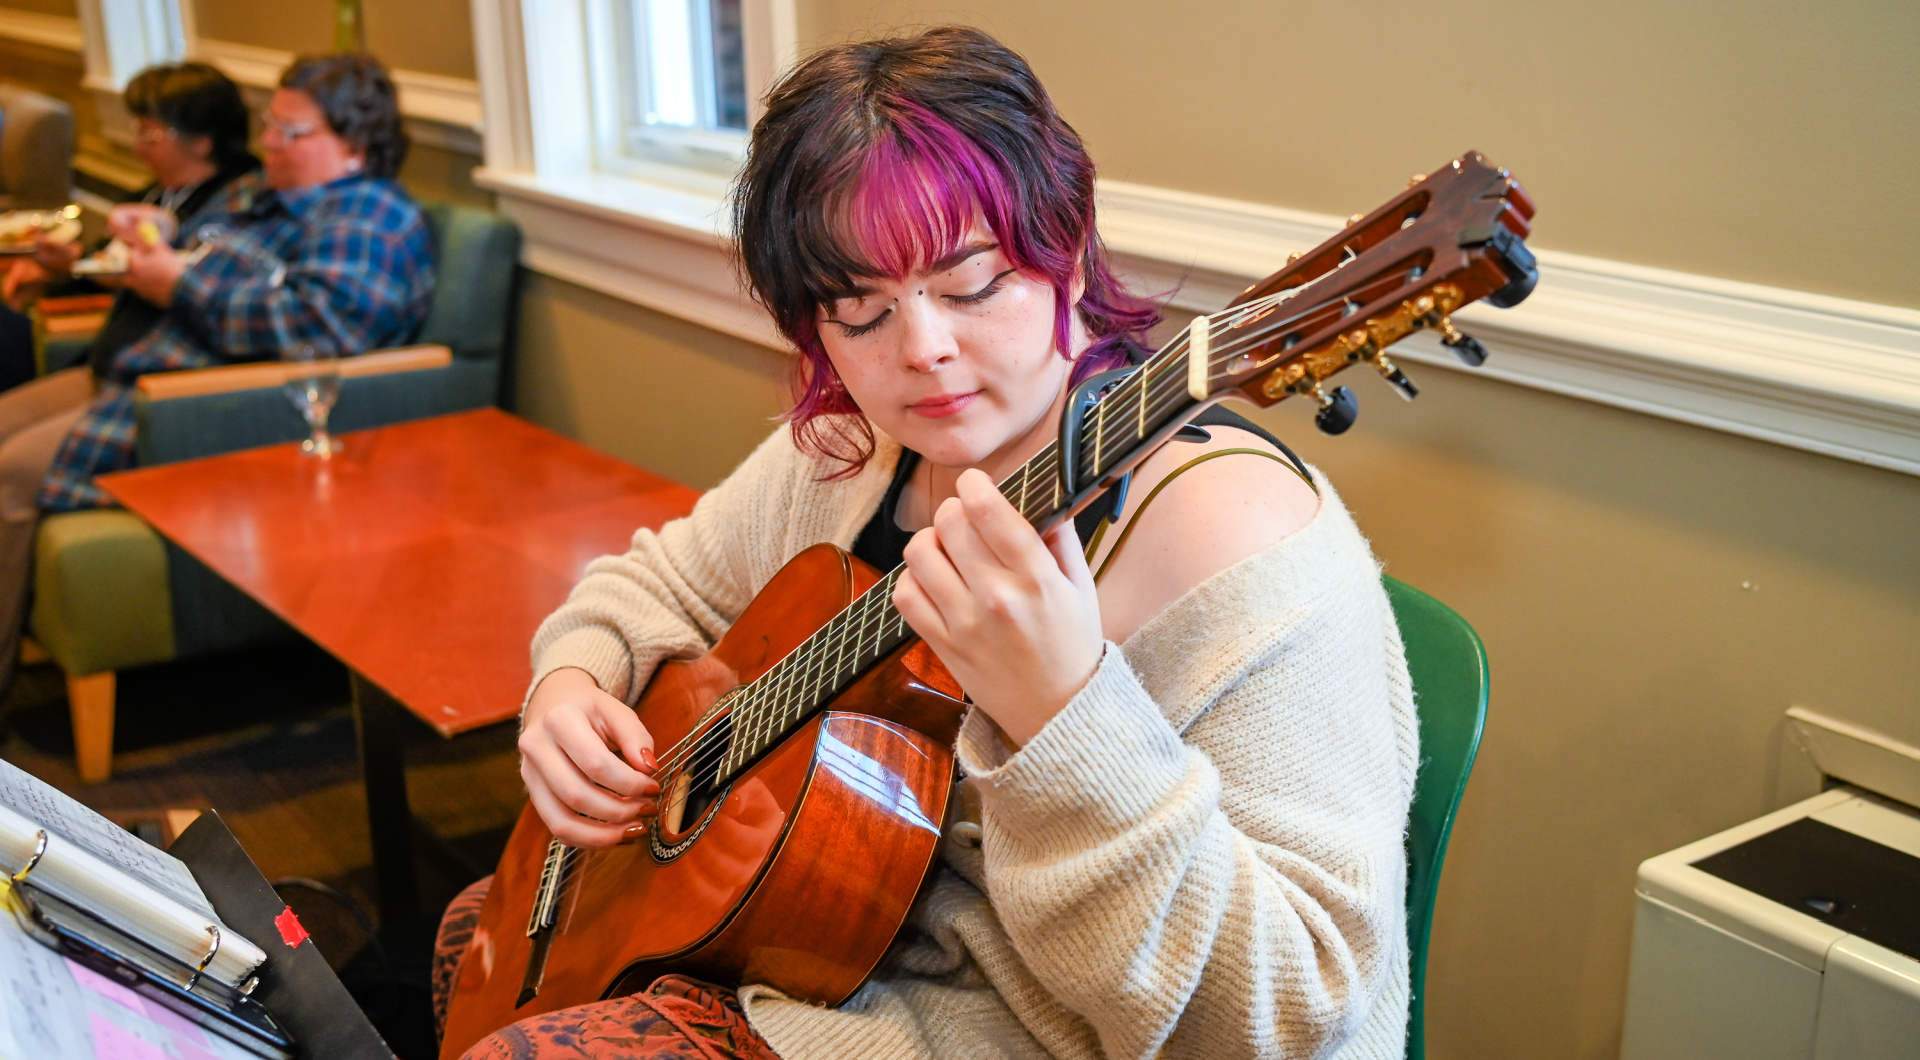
[313, 382]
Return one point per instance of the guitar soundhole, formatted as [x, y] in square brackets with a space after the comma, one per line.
[688, 798]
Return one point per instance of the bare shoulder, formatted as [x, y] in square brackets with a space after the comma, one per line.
[1227, 504]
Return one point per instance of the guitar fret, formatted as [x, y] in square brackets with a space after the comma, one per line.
[1145, 379]
[870, 626]
[1099, 434]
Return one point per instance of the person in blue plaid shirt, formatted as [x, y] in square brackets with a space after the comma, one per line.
[322, 246]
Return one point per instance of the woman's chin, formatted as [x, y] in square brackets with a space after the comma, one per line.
[946, 443]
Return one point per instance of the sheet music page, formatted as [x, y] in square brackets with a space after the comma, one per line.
[50, 808]
[54, 1009]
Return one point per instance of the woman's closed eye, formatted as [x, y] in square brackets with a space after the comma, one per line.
[992, 288]
[854, 331]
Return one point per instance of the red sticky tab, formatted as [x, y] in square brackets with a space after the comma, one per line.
[291, 931]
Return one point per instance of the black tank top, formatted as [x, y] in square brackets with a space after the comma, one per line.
[883, 545]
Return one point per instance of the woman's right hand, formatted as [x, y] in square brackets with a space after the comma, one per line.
[587, 761]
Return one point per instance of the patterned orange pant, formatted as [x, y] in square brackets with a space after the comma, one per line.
[675, 1017]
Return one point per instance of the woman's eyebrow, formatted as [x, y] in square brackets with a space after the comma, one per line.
[958, 256]
[949, 261]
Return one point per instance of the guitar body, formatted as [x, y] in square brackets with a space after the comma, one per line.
[798, 874]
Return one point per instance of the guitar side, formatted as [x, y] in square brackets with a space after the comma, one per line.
[759, 888]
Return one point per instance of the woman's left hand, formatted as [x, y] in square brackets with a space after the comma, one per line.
[1013, 615]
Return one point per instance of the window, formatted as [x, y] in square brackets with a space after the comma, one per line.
[672, 81]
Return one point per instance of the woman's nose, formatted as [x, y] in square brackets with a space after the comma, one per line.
[926, 340]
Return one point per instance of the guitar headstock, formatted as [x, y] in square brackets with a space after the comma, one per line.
[1451, 238]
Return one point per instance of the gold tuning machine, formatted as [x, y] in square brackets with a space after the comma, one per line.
[1415, 179]
[1463, 345]
[1395, 377]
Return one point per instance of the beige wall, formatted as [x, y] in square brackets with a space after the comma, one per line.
[1766, 140]
[653, 389]
[433, 36]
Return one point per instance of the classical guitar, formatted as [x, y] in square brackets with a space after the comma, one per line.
[805, 764]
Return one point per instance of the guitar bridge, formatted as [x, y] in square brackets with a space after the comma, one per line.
[546, 900]
[546, 912]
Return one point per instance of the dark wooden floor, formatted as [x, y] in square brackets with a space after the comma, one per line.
[266, 737]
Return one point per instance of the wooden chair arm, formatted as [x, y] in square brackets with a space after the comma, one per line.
[75, 303]
[194, 382]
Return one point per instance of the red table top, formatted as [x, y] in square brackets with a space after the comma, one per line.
[423, 556]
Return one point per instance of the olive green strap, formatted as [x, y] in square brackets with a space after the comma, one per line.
[1094, 545]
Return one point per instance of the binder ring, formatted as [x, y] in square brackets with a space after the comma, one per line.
[39, 850]
[201, 968]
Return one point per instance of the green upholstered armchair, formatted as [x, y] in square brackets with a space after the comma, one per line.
[110, 594]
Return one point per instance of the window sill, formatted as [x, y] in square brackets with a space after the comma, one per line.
[1823, 374]
[660, 245]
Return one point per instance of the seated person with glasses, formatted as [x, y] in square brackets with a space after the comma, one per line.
[190, 128]
[322, 247]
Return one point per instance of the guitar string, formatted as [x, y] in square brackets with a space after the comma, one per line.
[809, 659]
[809, 656]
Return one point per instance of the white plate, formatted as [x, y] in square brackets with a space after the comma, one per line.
[18, 228]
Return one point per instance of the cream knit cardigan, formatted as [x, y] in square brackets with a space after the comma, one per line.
[1200, 856]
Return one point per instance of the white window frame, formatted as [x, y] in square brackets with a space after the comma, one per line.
[124, 37]
[619, 87]
[651, 232]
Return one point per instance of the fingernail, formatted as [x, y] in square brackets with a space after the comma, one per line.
[647, 762]
[635, 831]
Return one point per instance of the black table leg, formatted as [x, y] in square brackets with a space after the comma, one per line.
[381, 724]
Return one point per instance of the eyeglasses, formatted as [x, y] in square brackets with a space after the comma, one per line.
[287, 131]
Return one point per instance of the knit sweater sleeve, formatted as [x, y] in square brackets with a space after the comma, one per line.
[1229, 884]
[677, 590]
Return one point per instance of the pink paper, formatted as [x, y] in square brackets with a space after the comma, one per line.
[113, 1042]
[105, 987]
[185, 1032]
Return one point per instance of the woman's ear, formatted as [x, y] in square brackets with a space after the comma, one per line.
[201, 147]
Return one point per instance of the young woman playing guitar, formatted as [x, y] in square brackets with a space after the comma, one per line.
[1186, 781]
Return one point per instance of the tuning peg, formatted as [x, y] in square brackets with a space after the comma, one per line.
[1463, 345]
[1338, 410]
[1396, 378]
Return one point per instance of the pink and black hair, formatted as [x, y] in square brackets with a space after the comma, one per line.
[872, 161]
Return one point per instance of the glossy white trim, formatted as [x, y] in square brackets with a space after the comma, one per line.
[1825, 374]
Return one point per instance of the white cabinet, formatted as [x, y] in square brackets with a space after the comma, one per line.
[1790, 937]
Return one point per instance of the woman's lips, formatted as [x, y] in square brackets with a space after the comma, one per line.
[943, 405]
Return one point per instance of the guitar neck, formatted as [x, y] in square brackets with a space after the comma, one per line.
[1119, 431]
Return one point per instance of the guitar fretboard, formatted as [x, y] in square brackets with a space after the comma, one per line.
[1157, 396]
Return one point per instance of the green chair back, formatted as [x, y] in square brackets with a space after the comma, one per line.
[1448, 665]
[476, 252]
